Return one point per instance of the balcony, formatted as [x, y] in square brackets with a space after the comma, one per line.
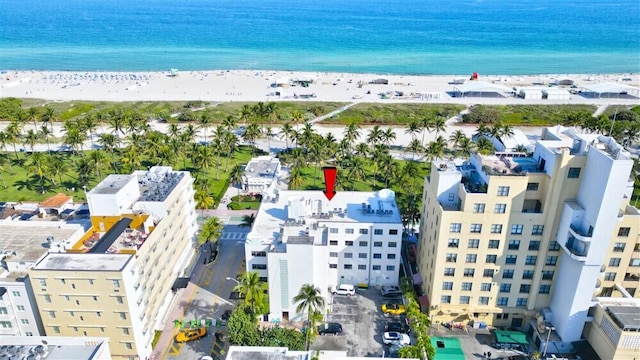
[532, 206]
[577, 248]
[580, 234]
[472, 186]
[632, 277]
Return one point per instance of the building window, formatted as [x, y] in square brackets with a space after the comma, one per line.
[52, 314]
[521, 302]
[333, 242]
[624, 231]
[491, 259]
[116, 284]
[554, 246]
[483, 300]
[467, 286]
[500, 208]
[507, 274]
[635, 262]
[464, 299]
[119, 299]
[363, 231]
[476, 228]
[447, 285]
[391, 268]
[534, 245]
[363, 255]
[377, 256]
[393, 244]
[348, 255]
[494, 244]
[128, 346]
[610, 276]
[43, 282]
[125, 331]
[455, 227]
[488, 272]
[485, 287]
[333, 254]
[544, 289]
[348, 231]
[452, 258]
[376, 267]
[363, 243]
[333, 266]
[24, 321]
[445, 299]
[531, 260]
[348, 266]
[574, 173]
[514, 245]
[468, 272]
[614, 262]
[511, 259]
[451, 196]
[453, 243]
[478, 208]
[516, 229]
[47, 298]
[525, 288]
[471, 258]
[474, 243]
[502, 301]
[20, 307]
[3, 310]
[527, 274]
[537, 229]
[377, 232]
[123, 316]
[56, 329]
[505, 288]
[551, 260]
[618, 247]
[449, 271]
[503, 191]
[496, 228]
[547, 274]
[29, 333]
[532, 186]
[15, 293]
[377, 244]
[391, 256]
[333, 230]
[348, 243]
[393, 231]
[259, 266]
[259, 253]
[98, 314]
[362, 267]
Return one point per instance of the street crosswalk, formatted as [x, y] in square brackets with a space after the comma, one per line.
[233, 236]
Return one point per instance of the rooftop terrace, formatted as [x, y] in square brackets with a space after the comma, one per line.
[626, 317]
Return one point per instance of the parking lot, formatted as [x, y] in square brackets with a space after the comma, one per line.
[362, 323]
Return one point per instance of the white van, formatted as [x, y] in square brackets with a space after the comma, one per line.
[344, 289]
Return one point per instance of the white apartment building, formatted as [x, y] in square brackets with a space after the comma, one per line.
[116, 281]
[22, 244]
[300, 237]
[510, 235]
[260, 174]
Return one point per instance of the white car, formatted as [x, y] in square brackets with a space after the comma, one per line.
[393, 337]
[344, 289]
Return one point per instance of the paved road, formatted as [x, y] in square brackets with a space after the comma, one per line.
[213, 295]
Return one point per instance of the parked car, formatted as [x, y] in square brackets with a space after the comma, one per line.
[397, 327]
[394, 337]
[226, 315]
[191, 334]
[344, 289]
[330, 328]
[393, 309]
[390, 291]
[394, 349]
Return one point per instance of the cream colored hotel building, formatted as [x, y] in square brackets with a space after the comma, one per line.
[116, 281]
[509, 238]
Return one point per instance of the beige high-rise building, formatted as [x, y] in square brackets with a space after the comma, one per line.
[510, 237]
[116, 281]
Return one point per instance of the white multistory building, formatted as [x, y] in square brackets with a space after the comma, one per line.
[300, 237]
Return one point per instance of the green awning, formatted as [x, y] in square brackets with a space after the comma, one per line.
[447, 348]
[511, 337]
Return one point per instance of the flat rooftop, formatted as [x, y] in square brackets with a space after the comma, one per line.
[83, 262]
[261, 166]
[29, 240]
[626, 317]
[276, 219]
[111, 184]
[265, 353]
[56, 348]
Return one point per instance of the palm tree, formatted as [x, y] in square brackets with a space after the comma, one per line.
[388, 137]
[295, 178]
[456, 137]
[248, 220]
[439, 124]
[211, 231]
[286, 132]
[352, 133]
[465, 147]
[253, 289]
[38, 164]
[3, 161]
[375, 135]
[236, 177]
[46, 133]
[356, 171]
[415, 147]
[58, 166]
[203, 200]
[89, 124]
[309, 300]
[31, 138]
[252, 134]
[485, 146]
[12, 135]
[32, 115]
[482, 130]
[204, 121]
[97, 158]
[110, 143]
[48, 116]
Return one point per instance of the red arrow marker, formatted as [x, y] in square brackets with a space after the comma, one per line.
[329, 182]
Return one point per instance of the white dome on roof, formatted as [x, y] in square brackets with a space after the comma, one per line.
[386, 194]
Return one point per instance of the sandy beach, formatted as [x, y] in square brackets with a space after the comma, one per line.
[255, 85]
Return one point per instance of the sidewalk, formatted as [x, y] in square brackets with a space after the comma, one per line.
[178, 312]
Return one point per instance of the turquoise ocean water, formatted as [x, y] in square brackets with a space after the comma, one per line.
[384, 36]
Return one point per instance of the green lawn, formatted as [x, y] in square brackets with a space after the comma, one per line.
[17, 184]
[244, 205]
[392, 114]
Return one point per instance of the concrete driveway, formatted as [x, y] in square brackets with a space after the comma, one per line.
[362, 324]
